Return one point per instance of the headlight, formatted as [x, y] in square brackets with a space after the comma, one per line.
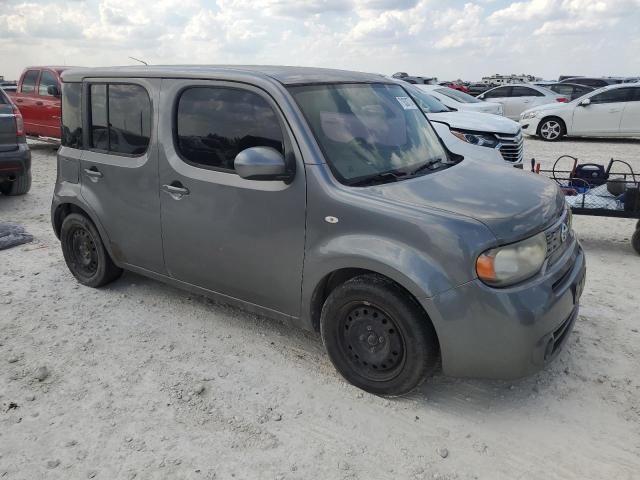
[504, 266]
[527, 115]
[480, 139]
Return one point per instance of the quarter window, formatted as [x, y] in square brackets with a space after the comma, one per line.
[120, 118]
[72, 115]
[47, 79]
[214, 124]
[29, 81]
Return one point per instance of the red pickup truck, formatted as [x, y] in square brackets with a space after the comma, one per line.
[38, 98]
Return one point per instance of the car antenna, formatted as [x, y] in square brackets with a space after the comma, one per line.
[138, 60]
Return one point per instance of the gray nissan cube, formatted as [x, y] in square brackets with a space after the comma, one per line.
[325, 199]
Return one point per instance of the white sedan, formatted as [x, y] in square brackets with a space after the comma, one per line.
[458, 100]
[517, 98]
[612, 111]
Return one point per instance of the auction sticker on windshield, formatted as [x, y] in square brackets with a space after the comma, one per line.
[407, 103]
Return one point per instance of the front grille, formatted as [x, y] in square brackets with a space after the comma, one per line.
[511, 146]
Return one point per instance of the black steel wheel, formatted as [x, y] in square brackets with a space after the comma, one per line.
[84, 252]
[635, 241]
[377, 336]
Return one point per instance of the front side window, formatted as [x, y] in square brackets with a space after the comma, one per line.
[525, 92]
[120, 118]
[457, 95]
[611, 96]
[214, 124]
[47, 79]
[498, 92]
[29, 81]
[72, 115]
[370, 133]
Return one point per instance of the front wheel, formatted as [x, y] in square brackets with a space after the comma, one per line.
[84, 252]
[551, 130]
[377, 337]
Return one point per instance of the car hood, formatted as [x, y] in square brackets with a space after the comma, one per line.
[513, 204]
[476, 121]
[549, 107]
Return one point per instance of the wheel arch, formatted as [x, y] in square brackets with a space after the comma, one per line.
[561, 120]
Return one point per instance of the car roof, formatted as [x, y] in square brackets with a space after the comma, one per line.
[50, 67]
[283, 74]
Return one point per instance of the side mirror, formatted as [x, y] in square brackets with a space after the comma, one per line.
[481, 97]
[261, 163]
[585, 102]
[53, 91]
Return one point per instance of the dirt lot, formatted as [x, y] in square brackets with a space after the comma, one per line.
[146, 381]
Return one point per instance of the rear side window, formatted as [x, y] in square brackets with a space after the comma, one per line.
[498, 93]
[120, 118]
[72, 115]
[29, 81]
[214, 124]
[47, 79]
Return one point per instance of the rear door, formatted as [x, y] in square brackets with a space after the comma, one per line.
[26, 101]
[630, 124]
[237, 237]
[603, 115]
[525, 98]
[48, 104]
[8, 132]
[119, 168]
[502, 95]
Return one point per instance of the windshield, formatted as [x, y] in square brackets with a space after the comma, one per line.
[457, 95]
[370, 133]
[428, 103]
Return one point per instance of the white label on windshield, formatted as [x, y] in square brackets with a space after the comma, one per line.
[407, 103]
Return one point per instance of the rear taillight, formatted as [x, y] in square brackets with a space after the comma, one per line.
[562, 99]
[19, 122]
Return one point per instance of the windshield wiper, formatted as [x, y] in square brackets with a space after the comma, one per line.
[382, 177]
[431, 165]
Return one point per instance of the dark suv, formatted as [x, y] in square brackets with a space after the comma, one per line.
[15, 157]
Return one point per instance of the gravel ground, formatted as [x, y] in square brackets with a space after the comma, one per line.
[141, 380]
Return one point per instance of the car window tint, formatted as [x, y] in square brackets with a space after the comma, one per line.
[635, 95]
[498, 93]
[129, 119]
[611, 96]
[519, 91]
[72, 115]
[215, 124]
[29, 81]
[126, 109]
[47, 79]
[562, 89]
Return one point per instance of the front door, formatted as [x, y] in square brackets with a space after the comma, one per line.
[26, 100]
[630, 123]
[48, 105]
[119, 167]
[502, 95]
[602, 116]
[240, 238]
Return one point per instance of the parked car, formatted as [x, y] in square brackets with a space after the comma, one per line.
[455, 86]
[517, 98]
[612, 111]
[324, 198]
[461, 101]
[472, 134]
[475, 89]
[594, 82]
[38, 98]
[9, 89]
[569, 90]
[15, 157]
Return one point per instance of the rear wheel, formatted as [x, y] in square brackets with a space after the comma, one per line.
[19, 186]
[84, 252]
[551, 129]
[635, 240]
[377, 337]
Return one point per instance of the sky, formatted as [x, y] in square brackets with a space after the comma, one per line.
[448, 39]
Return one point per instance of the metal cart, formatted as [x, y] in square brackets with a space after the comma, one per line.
[592, 189]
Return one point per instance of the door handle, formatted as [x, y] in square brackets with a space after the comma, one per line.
[176, 190]
[19, 100]
[93, 173]
[39, 103]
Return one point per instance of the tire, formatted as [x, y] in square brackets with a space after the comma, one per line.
[635, 241]
[20, 186]
[377, 336]
[551, 129]
[84, 252]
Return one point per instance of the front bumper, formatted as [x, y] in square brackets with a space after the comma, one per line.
[530, 125]
[510, 332]
[15, 162]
